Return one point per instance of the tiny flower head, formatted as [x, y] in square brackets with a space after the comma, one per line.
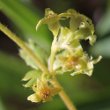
[44, 91]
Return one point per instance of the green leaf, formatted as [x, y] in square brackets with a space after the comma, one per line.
[39, 52]
[31, 77]
[27, 59]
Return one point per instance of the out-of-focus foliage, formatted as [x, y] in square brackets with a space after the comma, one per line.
[102, 47]
[26, 20]
[103, 28]
[1, 106]
[87, 93]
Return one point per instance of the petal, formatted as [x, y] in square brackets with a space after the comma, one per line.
[34, 98]
[31, 77]
[52, 20]
[97, 60]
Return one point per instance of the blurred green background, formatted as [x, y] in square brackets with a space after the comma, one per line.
[21, 16]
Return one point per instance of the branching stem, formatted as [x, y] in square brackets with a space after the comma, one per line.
[22, 45]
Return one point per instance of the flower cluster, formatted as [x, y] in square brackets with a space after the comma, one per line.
[67, 54]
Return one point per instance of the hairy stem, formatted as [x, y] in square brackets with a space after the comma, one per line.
[22, 45]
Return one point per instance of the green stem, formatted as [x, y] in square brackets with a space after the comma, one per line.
[62, 94]
[65, 98]
[22, 45]
[52, 55]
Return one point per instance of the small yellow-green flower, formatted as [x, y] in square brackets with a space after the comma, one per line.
[66, 62]
[41, 85]
[43, 91]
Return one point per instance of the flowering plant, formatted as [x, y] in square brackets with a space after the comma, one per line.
[67, 55]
